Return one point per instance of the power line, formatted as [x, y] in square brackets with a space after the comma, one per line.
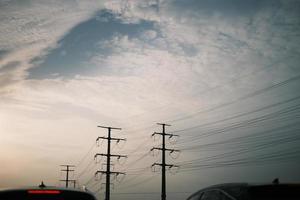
[140, 182]
[252, 94]
[254, 138]
[235, 153]
[247, 96]
[253, 121]
[86, 168]
[137, 160]
[90, 180]
[266, 159]
[85, 156]
[241, 114]
[268, 67]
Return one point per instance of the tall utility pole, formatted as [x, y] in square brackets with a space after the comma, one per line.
[163, 164]
[67, 170]
[108, 156]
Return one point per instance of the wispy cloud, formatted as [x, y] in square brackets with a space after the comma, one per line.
[65, 66]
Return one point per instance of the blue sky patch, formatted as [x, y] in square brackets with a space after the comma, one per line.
[82, 43]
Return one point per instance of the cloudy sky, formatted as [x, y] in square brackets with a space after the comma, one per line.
[224, 74]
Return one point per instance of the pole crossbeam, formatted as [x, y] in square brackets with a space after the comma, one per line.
[163, 124]
[109, 127]
[108, 156]
[105, 172]
[166, 149]
[106, 138]
[112, 155]
[166, 134]
[167, 165]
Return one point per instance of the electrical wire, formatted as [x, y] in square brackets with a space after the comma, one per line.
[85, 155]
[250, 95]
[241, 114]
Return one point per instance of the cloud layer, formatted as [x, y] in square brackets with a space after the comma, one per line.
[66, 66]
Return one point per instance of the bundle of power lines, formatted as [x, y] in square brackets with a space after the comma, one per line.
[264, 135]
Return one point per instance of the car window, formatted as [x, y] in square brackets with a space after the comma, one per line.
[214, 195]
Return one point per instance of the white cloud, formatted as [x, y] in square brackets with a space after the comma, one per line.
[160, 74]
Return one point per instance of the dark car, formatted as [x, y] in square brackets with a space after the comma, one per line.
[45, 193]
[244, 191]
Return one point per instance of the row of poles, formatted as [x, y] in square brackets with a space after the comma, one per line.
[108, 172]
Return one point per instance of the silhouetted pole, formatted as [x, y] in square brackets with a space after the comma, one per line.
[108, 172]
[67, 170]
[107, 191]
[74, 183]
[163, 167]
[163, 163]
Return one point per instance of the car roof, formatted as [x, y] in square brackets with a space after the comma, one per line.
[236, 189]
[235, 185]
[68, 193]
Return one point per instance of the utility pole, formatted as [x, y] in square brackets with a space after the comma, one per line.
[108, 156]
[74, 183]
[67, 170]
[163, 164]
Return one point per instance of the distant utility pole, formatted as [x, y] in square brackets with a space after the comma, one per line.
[74, 183]
[67, 170]
[108, 156]
[163, 164]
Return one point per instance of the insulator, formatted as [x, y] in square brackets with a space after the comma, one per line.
[154, 152]
[97, 159]
[122, 162]
[155, 138]
[174, 154]
[120, 143]
[173, 169]
[172, 140]
[99, 142]
[98, 177]
[120, 177]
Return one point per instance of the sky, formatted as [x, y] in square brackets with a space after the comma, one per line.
[224, 74]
